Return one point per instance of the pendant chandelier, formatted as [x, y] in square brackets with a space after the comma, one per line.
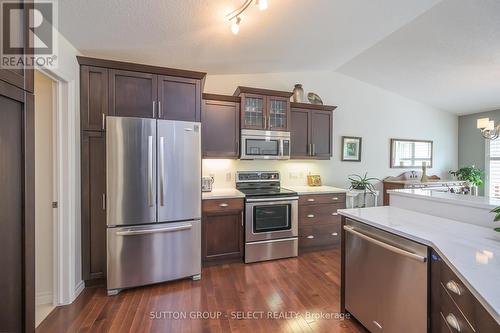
[235, 15]
[488, 129]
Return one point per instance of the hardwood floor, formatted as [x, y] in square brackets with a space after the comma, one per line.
[296, 288]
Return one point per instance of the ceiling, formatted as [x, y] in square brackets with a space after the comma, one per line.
[290, 35]
[442, 53]
[449, 58]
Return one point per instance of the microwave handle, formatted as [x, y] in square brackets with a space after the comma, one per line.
[281, 148]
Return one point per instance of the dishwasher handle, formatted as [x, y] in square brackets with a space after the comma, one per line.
[385, 245]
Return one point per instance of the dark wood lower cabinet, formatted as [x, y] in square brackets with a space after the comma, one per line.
[17, 236]
[319, 222]
[453, 307]
[222, 231]
[93, 206]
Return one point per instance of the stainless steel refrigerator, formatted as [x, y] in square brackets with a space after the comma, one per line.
[153, 176]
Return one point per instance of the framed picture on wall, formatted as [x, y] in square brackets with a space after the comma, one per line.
[351, 149]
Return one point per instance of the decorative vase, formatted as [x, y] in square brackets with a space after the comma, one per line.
[424, 178]
[298, 94]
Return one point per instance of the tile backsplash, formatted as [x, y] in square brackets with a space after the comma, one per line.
[292, 172]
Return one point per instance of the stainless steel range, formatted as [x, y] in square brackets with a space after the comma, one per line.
[271, 216]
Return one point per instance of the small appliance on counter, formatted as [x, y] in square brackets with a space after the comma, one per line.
[271, 216]
[314, 180]
[206, 184]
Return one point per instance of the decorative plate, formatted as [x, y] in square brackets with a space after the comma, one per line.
[314, 99]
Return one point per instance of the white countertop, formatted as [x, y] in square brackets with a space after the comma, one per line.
[314, 189]
[223, 193]
[460, 199]
[473, 252]
[419, 182]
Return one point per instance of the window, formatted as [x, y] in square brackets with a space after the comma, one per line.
[493, 167]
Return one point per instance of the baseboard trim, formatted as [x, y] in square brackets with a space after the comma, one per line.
[44, 298]
[78, 289]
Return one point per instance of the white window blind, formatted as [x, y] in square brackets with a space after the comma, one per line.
[494, 168]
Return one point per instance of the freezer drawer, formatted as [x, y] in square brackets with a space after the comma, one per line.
[154, 253]
[386, 280]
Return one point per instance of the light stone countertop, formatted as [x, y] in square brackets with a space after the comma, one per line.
[314, 189]
[460, 199]
[472, 252]
[223, 193]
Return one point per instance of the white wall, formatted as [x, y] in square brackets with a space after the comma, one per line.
[363, 110]
[43, 189]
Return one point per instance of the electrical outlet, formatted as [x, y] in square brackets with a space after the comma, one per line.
[228, 176]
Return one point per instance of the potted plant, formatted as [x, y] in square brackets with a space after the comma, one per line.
[363, 183]
[470, 174]
[497, 216]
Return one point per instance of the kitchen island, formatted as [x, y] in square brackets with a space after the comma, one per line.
[470, 252]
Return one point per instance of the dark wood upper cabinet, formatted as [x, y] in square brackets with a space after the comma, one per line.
[93, 98]
[23, 77]
[264, 109]
[133, 94]
[321, 134]
[311, 133]
[93, 205]
[179, 98]
[220, 121]
[300, 133]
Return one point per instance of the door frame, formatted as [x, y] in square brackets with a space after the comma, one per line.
[64, 217]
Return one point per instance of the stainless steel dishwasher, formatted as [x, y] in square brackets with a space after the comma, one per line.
[386, 280]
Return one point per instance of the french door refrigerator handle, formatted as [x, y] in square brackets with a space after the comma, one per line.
[162, 170]
[385, 245]
[153, 231]
[150, 171]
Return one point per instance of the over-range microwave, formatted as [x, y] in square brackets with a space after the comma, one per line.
[265, 145]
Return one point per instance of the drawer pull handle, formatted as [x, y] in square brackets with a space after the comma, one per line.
[311, 200]
[310, 216]
[223, 205]
[334, 234]
[453, 287]
[335, 214]
[335, 198]
[453, 322]
[310, 237]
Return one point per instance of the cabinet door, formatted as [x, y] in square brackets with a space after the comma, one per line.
[132, 94]
[253, 111]
[17, 236]
[222, 236]
[220, 121]
[278, 113]
[93, 98]
[179, 98]
[93, 205]
[321, 134]
[299, 133]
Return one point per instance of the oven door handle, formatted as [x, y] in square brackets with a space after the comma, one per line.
[273, 199]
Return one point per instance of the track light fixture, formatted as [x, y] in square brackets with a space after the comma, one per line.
[235, 15]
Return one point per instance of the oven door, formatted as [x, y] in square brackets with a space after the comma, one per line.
[268, 218]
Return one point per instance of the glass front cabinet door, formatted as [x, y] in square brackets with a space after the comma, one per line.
[254, 112]
[277, 113]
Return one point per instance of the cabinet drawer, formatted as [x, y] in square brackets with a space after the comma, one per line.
[314, 199]
[221, 205]
[459, 293]
[319, 235]
[453, 317]
[319, 214]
